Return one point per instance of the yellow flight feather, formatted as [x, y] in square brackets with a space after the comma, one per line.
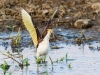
[29, 25]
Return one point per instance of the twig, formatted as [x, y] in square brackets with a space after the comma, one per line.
[10, 57]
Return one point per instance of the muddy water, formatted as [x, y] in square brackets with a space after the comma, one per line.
[84, 59]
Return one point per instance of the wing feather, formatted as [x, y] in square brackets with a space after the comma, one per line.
[29, 25]
[48, 24]
[47, 27]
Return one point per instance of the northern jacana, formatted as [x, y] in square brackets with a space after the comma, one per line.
[41, 41]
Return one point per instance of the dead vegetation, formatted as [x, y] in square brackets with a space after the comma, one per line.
[41, 10]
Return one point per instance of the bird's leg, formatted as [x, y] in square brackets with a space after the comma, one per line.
[51, 62]
[37, 68]
[43, 59]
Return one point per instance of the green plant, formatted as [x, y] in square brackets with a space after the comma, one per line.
[41, 60]
[9, 55]
[11, 27]
[61, 59]
[44, 58]
[16, 40]
[10, 73]
[57, 61]
[25, 62]
[38, 61]
[47, 73]
[69, 66]
[4, 67]
[66, 57]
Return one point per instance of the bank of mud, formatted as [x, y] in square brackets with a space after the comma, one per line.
[68, 12]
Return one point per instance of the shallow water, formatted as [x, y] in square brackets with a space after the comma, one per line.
[84, 59]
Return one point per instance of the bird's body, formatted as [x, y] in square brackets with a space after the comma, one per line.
[44, 45]
[41, 43]
[42, 48]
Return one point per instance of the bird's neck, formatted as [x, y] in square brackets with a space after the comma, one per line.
[47, 37]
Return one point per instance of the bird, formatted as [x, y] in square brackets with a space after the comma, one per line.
[41, 41]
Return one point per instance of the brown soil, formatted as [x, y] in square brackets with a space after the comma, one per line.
[41, 10]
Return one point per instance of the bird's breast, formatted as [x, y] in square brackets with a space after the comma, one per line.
[43, 47]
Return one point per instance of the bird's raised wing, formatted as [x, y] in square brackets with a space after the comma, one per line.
[49, 23]
[45, 29]
[39, 36]
[30, 27]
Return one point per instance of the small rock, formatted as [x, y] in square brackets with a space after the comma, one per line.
[54, 47]
[96, 7]
[83, 23]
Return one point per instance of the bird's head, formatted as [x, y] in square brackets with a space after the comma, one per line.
[50, 31]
